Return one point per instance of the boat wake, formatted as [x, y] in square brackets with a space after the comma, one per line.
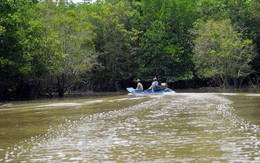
[184, 127]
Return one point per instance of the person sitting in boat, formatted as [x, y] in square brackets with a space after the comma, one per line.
[164, 86]
[155, 86]
[139, 86]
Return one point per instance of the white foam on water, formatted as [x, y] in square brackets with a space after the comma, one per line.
[229, 94]
[93, 101]
[257, 95]
[60, 104]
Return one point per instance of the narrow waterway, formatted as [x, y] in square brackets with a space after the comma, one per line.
[183, 127]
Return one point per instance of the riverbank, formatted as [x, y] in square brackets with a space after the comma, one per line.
[37, 90]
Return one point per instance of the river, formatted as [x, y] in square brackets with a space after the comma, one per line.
[183, 127]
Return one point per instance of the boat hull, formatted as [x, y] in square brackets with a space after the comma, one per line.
[132, 91]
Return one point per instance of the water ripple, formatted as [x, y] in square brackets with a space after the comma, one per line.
[178, 128]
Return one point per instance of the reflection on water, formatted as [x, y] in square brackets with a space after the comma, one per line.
[184, 127]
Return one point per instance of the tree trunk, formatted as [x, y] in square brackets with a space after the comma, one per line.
[60, 85]
[226, 84]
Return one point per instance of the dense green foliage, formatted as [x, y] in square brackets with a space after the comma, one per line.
[219, 54]
[97, 46]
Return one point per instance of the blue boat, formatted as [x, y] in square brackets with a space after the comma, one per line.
[132, 91]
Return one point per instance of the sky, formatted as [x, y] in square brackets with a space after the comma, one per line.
[76, 1]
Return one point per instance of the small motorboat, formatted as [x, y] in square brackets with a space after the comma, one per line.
[132, 91]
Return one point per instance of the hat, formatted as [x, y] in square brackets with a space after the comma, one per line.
[138, 80]
[163, 84]
[154, 79]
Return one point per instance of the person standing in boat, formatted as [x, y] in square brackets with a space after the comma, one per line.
[155, 86]
[139, 86]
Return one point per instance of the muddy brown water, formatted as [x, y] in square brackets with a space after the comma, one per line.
[183, 127]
